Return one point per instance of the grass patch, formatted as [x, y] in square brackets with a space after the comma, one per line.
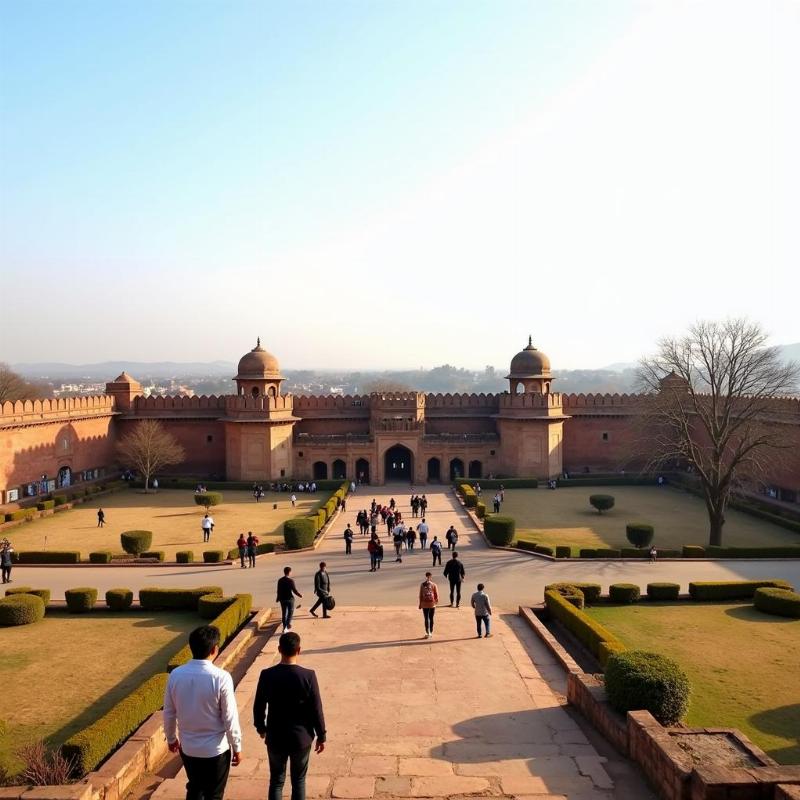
[564, 517]
[64, 672]
[741, 664]
[171, 515]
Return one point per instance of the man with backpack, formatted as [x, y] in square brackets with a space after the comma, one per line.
[454, 572]
[398, 539]
[436, 551]
[428, 600]
[422, 530]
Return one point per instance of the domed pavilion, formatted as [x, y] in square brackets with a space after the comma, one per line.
[530, 371]
[258, 374]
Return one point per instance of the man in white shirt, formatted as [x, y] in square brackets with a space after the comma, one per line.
[207, 524]
[199, 704]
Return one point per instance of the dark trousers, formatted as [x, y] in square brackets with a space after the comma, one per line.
[206, 534]
[206, 777]
[423, 541]
[348, 548]
[437, 557]
[298, 767]
[287, 612]
[243, 555]
[6, 574]
[427, 615]
[320, 602]
[251, 557]
[455, 589]
[373, 560]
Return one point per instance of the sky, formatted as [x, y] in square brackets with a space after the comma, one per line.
[394, 183]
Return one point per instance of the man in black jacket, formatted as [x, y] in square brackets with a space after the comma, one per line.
[322, 589]
[286, 594]
[454, 572]
[287, 712]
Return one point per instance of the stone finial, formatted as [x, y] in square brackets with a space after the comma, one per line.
[530, 341]
[258, 341]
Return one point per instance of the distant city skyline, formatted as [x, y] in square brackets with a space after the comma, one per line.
[394, 186]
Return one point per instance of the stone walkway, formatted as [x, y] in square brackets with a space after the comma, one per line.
[410, 717]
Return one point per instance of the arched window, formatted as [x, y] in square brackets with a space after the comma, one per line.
[254, 391]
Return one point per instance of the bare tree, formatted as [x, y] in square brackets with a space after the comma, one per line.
[14, 387]
[710, 393]
[149, 448]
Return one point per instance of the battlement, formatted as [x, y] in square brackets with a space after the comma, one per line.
[331, 402]
[600, 400]
[55, 409]
[530, 400]
[177, 403]
[264, 403]
[463, 400]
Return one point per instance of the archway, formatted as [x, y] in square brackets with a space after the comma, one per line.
[398, 464]
[339, 470]
[320, 471]
[254, 392]
[434, 469]
[64, 477]
[456, 469]
[475, 469]
[362, 470]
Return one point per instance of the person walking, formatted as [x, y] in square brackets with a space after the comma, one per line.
[287, 714]
[423, 505]
[155, 485]
[6, 560]
[252, 548]
[348, 540]
[201, 720]
[422, 530]
[101, 517]
[483, 610]
[241, 543]
[453, 537]
[378, 553]
[428, 600]
[286, 593]
[454, 572]
[207, 524]
[322, 589]
[496, 504]
[653, 553]
[436, 551]
[397, 539]
[447, 537]
[411, 538]
[372, 549]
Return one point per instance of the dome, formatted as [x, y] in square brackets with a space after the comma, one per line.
[258, 364]
[530, 363]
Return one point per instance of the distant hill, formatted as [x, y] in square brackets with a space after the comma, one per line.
[108, 370]
[790, 352]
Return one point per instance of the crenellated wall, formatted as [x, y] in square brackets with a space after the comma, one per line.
[62, 408]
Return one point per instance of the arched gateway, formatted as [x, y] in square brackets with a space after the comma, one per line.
[398, 464]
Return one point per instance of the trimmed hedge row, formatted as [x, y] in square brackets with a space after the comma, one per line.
[213, 556]
[712, 551]
[49, 557]
[299, 532]
[80, 600]
[663, 591]
[780, 602]
[191, 483]
[43, 593]
[158, 555]
[625, 593]
[591, 591]
[480, 510]
[610, 481]
[20, 513]
[46, 505]
[154, 598]
[210, 606]
[21, 609]
[499, 530]
[732, 590]
[469, 495]
[261, 548]
[100, 557]
[496, 483]
[119, 599]
[184, 557]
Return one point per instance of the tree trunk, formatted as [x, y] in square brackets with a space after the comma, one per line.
[716, 518]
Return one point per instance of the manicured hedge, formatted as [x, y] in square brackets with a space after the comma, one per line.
[210, 606]
[639, 534]
[496, 483]
[213, 556]
[100, 557]
[663, 591]
[154, 598]
[298, 533]
[80, 600]
[622, 480]
[136, 542]
[43, 593]
[608, 552]
[712, 551]
[469, 495]
[572, 594]
[158, 555]
[587, 552]
[46, 505]
[602, 502]
[693, 551]
[543, 549]
[636, 680]
[49, 557]
[20, 513]
[208, 499]
[732, 590]
[529, 547]
[184, 556]
[499, 530]
[591, 591]
[90, 746]
[633, 552]
[626, 593]
[563, 551]
[781, 602]
[119, 599]
[21, 609]
[60, 500]
[480, 510]
[591, 633]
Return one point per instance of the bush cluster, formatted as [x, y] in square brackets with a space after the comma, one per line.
[136, 542]
[693, 551]
[499, 529]
[184, 556]
[663, 591]
[496, 483]
[298, 533]
[780, 602]
[20, 513]
[624, 593]
[49, 557]
[46, 505]
[591, 591]
[602, 502]
[213, 556]
[732, 590]
[640, 681]
[563, 551]
[158, 555]
[80, 600]
[100, 557]
[608, 552]
[469, 495]
[43, 593]
[60, 500]
[21, 609]
[480, 510]
[154, 598]
[210, 606]
[119, 599]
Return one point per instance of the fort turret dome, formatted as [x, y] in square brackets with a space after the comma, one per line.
[258, 364]
[530, 363]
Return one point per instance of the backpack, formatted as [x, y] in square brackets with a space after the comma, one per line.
[427, 592]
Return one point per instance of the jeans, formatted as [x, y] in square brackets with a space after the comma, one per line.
[6, 574]
[427, 615]
[206, 534]
[437, 557]
[206, 777]
[373, 560]
[242, 554]
[455, 589]
[251, 556]
[423, 541]
[348, 548]
[287, 612]
[486, 621]
[298, 767]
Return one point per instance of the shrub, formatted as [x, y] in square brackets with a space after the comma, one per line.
[572, 594]
[587, 552]
[563, 551]
[608, 552]
[752, 552]
[208, 499]
[119, 599]
[480, 510]
[60, 500]
[639, 534]
[298, 533]
[100, 557]
[184, 556]
[155, 598]
[781, 602]
[158, 555]
[602, 502]
[210, 606]
[499, 530]
[591, 591]
[640, 681]
[470, 497]
[91, 745]
[529, 547]
[22, 513]
[693, 551]
[136, 542]
[49, 557]
[80, 600]
[21, 609]
[496, 483]
[46, 505]
[213, 556]
[543, 550]
[44, 594]
[732, 590]
[625, 593]
[633, 552]
[663, 591]
[597, 639]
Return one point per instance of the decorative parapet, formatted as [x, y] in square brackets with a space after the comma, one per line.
[61, 409]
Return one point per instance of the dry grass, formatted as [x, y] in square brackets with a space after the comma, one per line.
[565, 517]
[171, 515]
[742, 665]
[62, 673]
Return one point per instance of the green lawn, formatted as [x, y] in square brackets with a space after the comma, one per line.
[62, 673]
[171, 515]
[564, 517]
[742, 664]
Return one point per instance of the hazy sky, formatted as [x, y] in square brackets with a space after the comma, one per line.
[394, 183]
